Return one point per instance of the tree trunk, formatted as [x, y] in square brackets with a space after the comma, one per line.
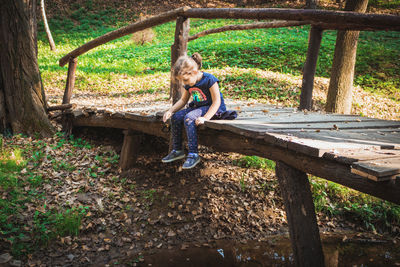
[339, 97]
[47, 28]
[24, 105]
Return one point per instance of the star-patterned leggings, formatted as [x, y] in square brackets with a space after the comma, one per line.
[188, 118]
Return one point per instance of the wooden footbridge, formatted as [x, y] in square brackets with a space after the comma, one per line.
[358, 152]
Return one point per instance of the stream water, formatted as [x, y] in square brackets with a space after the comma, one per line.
[339, 250]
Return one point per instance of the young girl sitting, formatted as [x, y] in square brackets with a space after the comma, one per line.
[207, 101]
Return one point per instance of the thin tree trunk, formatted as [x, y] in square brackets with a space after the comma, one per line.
[47, 28]
[24, 99]
[339, 99]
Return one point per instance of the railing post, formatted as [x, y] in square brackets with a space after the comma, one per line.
[73, 62]
[179, 48]
[314, 43]
[307, 86]
[300, 213]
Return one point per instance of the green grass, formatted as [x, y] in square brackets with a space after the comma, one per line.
[255, 163]
[390, 4]
[21, 188]
[281, 50]
[335, 200]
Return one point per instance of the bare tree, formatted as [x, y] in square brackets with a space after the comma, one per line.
[339, 98]
[46, 27]
[22, 97]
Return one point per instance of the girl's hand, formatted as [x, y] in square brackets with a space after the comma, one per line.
[167, 115]
[200, 120]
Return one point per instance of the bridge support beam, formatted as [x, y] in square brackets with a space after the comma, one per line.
[130, 149]
[300, 213]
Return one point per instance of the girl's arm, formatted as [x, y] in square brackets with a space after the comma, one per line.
[216, 102]
[177, 106]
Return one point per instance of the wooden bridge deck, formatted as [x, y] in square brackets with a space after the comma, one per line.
[358, 152]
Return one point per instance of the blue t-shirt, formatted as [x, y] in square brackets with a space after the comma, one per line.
[201, 92]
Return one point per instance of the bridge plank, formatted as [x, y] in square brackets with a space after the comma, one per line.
[301, 118]
[378, 169]
[312, 125]
[343, 138]
[351, 156]
[321, 141]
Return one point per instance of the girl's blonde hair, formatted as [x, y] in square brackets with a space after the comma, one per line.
[185, 63]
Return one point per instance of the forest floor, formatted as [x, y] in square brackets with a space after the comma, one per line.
[125, 217]
[155, 207]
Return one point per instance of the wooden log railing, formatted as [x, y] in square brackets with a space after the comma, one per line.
[332, 18]
[321, 19]
[132, 28]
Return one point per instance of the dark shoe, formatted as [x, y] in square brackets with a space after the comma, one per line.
[174, 155]
[191, 161]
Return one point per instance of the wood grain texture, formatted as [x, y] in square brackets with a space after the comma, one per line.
[379, 167]
[300, 213]
[70, 84]
[130, 149]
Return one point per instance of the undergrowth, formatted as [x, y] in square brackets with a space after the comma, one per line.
[26, 222]
[371, 213]
[254, 162]
[334, 200]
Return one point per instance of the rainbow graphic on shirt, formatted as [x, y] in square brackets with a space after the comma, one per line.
[197, 94]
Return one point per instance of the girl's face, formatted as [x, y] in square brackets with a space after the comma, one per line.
[189, 77]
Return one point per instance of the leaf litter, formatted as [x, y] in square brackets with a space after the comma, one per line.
[153, 205]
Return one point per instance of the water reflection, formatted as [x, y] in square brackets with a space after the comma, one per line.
[338, 251]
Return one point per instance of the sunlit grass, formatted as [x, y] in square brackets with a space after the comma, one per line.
[281, 50]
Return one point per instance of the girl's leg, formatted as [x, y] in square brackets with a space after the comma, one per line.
[190, 126]
[177, 127]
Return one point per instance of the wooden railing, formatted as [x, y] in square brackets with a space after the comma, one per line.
[319, 19]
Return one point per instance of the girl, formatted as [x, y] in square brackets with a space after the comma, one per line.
[207, 101]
